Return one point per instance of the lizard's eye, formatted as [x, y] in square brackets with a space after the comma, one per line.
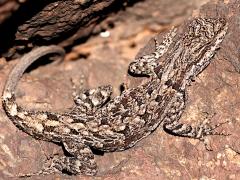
[156, 55]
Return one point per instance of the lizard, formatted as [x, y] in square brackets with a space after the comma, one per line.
[99, 121]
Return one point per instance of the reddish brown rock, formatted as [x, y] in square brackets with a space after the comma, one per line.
[105, 61]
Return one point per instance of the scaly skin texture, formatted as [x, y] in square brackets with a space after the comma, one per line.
[113, 124]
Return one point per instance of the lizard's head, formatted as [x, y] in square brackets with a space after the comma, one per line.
[200, 43]
[202, 33]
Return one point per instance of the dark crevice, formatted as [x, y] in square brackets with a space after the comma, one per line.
[9, 27]
[29, 10]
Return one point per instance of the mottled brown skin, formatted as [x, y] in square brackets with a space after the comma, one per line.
[119, 123]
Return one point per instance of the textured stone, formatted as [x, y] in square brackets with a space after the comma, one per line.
[104, 61]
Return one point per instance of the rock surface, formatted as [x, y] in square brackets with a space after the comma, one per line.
[37, 22]
[104, 60]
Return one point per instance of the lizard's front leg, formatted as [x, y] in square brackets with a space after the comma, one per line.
[172, 125]
[145, 65]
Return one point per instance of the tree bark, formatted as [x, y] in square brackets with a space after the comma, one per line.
[39, 22]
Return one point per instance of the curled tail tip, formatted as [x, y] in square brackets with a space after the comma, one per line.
[26, 61]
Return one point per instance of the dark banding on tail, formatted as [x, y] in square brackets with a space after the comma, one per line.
[10, 106]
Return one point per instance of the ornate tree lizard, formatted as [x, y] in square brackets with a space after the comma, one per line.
[113, 124]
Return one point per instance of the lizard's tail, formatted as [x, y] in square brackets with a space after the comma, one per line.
[24, 63]
[8, 97]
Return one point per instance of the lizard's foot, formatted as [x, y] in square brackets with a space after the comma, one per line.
[206, 129]
[47, 169]
[81, 161]
[68, 165]
[78, 84]
[199, 132]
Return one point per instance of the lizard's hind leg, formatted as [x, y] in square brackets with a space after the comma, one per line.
[80, 161]
[89, 100]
